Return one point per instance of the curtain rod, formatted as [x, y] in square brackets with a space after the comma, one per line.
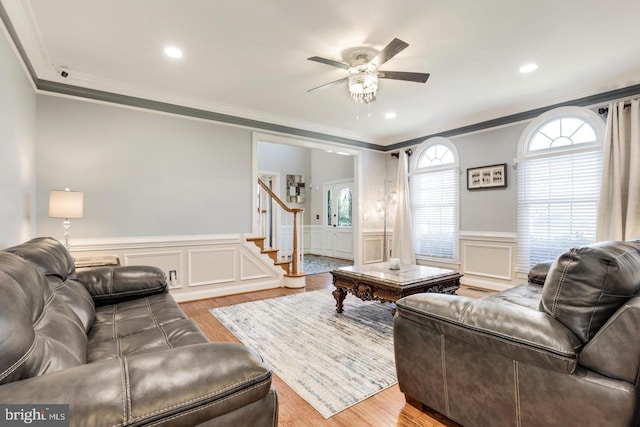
[605, 110]
[397, 155]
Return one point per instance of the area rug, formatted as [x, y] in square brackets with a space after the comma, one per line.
[314, 264]
[331, 360]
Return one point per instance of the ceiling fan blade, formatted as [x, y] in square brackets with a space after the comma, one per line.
[326, 85]
[389, 51]
[329, 62]
[403, 75]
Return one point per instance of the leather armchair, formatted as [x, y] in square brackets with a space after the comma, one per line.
[560, 350]
[113, 344]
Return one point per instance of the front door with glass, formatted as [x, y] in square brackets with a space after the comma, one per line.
[337, 219]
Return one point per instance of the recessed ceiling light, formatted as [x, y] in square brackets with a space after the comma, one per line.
[527, 68]
[390, 115]
[342, 153]
[173, 52]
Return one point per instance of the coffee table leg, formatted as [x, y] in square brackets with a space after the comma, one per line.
[339, 294]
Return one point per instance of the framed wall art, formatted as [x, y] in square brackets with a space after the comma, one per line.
[295, 188]
[493, 176]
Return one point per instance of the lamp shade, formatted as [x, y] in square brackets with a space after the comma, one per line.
[65, 204]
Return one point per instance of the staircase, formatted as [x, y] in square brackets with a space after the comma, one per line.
[285, 264]
[292, 267]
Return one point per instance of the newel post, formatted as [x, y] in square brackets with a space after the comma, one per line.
[294, 255]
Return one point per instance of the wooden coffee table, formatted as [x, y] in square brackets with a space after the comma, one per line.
[376, 282]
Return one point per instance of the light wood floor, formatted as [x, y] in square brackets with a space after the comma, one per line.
[387, 408]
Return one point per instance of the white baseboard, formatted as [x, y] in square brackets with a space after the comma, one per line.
[197, 294]
[484, 284]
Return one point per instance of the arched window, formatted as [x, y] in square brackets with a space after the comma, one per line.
[559, 173]
[434, 188]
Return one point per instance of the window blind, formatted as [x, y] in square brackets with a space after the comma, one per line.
[557, 205]
[434, 213]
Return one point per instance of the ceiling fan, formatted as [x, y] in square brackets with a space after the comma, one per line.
[363, 70]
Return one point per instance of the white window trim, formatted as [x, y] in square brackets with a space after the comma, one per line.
[415, 171]
[590, 117]
[585, 114]
[424, 146]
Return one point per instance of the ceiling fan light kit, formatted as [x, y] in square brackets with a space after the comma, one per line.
[363, 71]
[363, 83]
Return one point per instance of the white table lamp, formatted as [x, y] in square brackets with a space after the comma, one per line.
[65, 204]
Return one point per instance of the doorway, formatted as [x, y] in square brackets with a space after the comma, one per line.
[338, 219]
[324, 166]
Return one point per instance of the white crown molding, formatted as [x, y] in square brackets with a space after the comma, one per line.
[25, 25]
[92, 82]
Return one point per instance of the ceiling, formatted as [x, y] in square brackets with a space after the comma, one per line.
[249, 58]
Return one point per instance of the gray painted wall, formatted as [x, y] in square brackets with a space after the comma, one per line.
[148, 174]
[17, 159]
[142, 173]
[489, 210]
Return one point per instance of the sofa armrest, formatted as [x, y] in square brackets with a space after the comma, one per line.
[111, 285]
[621, 333]
[538, 273]
[496, 326]
[182, 386]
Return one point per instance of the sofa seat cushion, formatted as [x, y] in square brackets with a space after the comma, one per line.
[586, 285]
[527, 295]
[180, 333]
[130, 317]
[146, 324]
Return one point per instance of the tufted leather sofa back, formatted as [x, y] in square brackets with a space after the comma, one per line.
[51, 258]
[39, 333]
[586, 286]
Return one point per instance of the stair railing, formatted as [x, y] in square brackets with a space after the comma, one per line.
[296, 254]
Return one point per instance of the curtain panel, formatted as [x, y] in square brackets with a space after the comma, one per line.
[619, 206]
[402, 243]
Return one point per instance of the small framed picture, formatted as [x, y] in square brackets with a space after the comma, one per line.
[493, 176]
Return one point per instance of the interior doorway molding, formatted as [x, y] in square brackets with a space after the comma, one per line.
[314, 145]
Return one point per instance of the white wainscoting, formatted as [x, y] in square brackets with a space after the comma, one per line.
[315, 240]
[372, 246]
[487, 259]
[206, 266]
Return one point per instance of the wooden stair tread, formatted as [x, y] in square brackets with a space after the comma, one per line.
[258, 241]
[285, 264]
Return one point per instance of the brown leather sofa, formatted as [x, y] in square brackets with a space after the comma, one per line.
[115, 346]
[560, 350]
